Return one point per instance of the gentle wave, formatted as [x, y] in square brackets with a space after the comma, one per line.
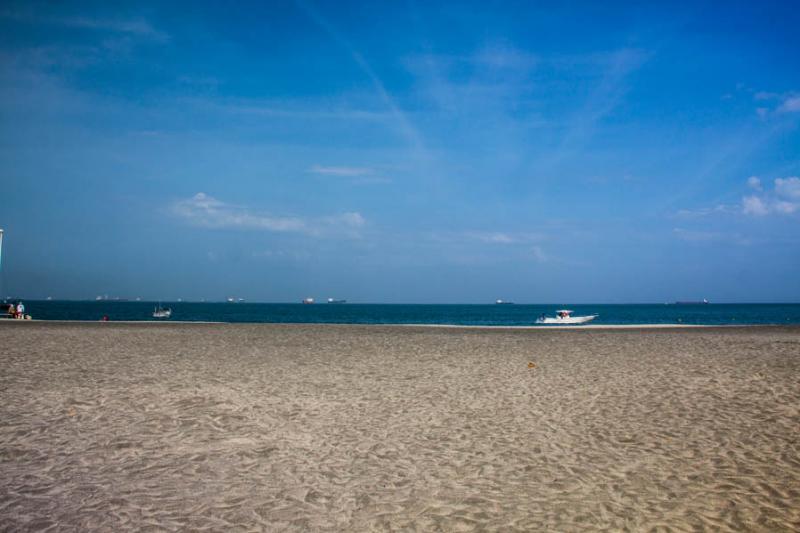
[474, 315]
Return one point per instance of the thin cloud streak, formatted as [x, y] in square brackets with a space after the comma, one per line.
[405, 125]
[202, 210]
[287, 109]
[706, 237]
[137, 26]
[485, 237]
[706, 211]
[351, 175]
[602, 101]
[341, 171]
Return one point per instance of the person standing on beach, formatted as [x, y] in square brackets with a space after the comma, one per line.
[20, 310]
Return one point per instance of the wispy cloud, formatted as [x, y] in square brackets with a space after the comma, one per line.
[111, 40]
[341, 171]
[695, 236]
[296, 109]
[764, 95]
[539, 255]
[788, 188]
[783, 199]
[486, 237]
[135, 26]
[493, 238]
[296, 255]
[494, 77]
[754, 182]
[405, 126]
[610, 89]
[206, 211]
[477, 247]
[352, 175]
[753, 205]
[790, 105]
[706, 211]
[773, 104]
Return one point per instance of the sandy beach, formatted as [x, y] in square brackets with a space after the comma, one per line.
[220, 427]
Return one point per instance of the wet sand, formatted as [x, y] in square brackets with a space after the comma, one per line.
[221, 427]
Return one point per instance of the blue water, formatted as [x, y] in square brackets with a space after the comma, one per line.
[498, 315]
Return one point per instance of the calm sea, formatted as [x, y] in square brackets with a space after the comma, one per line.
[499, 315]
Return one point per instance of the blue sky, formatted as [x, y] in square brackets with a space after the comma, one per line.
[401, 152]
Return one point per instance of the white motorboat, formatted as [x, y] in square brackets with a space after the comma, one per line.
[162, 312]
[564, 316]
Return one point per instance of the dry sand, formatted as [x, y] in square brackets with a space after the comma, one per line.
[269, 427]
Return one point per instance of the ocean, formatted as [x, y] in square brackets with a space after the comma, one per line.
[484, 315]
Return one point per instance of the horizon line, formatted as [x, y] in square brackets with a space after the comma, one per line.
[324, 302]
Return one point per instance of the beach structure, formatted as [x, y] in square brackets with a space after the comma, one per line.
[20, 308]
[1, 264]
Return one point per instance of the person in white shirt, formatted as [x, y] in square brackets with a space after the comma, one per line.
[20, 310]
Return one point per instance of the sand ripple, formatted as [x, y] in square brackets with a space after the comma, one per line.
[266, 427]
